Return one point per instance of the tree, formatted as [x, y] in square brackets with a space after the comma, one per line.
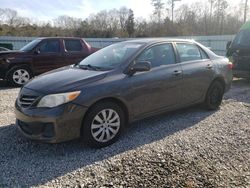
[190, 19]
[123, 17]
[158, 9]
[221, 9]
[130, 24]
[245, 11]
[211, 8]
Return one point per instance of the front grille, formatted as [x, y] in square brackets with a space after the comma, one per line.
[26, 101]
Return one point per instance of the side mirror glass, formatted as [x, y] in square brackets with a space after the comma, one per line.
[229, 44]
[140, 66]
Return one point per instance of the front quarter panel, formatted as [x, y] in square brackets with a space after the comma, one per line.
[109, 87]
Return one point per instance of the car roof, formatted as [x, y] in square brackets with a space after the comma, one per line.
[42, 38]
[158, 40]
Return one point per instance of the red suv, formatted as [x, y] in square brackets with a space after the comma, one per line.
[42, 55]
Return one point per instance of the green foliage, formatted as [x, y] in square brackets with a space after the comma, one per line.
[212, 17]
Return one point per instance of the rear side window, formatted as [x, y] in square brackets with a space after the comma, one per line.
[50, 46]
[203, 54]
[189, 52]
[73, 45]
[158, 55]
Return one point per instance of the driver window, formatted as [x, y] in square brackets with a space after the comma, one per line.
[50, 46]
[158, 55]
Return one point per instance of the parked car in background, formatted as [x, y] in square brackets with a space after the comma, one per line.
[40, 56]
[238, 51]
[119, 84]
[3, 49]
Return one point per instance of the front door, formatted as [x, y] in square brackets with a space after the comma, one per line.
[48, 56]
[159, 88]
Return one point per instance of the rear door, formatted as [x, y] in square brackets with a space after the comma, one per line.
[75, 51]
[197, 70]
[49, 56]
[159, 88]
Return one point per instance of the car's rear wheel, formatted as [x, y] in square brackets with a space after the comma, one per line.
[214, 95]
[18, 76]
[103, 124]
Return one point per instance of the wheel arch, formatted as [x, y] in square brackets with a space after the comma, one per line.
[12, 66]
[219, 79]
[115, 100]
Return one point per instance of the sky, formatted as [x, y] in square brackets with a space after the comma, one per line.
[45, 10]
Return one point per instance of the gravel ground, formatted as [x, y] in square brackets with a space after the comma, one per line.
[187, 148]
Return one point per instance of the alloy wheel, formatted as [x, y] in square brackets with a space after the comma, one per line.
[21, 76]
[105, 125]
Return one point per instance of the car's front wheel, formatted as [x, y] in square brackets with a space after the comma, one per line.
[214, 95]
[103, 124]
[18, 76]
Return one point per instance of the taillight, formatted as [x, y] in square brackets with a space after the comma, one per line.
[230, 65]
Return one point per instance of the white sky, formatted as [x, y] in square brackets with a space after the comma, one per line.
[49, 9]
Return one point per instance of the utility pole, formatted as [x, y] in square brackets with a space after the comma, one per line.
[172, 6]
[245, 12]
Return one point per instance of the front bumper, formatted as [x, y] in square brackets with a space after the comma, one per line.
[52, 125]
[241, 73]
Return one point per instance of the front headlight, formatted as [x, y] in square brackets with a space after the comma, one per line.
[54, 100]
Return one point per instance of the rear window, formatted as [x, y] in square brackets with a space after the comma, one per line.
[242, 39]
[73, 45]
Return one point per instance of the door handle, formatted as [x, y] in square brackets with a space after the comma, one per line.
[209, 66]
[177, 72]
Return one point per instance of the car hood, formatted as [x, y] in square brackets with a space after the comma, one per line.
[64, 79]
[10, 52]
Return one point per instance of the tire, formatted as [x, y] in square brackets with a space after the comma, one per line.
[19, 75]
[100, 133]
[214, 96]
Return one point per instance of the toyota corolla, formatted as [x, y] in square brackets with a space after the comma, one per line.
[124, 82]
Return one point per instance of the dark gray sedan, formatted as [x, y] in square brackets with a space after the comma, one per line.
[119, 84]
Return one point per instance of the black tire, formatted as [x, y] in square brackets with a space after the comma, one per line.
[214, 96]
[90, 121]
[19, 82]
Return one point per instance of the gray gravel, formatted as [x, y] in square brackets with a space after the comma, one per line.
[187, 148]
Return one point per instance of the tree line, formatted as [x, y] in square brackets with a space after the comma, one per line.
[210, 17]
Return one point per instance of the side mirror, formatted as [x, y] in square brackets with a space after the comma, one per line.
[229, 44]
[140, 66]
[37, 51]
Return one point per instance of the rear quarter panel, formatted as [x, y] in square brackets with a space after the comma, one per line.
[223, 71]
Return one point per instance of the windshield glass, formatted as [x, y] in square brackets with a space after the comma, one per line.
[111, 56]
[28, 47]
[242, 39]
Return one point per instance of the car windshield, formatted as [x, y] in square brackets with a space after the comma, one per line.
[242, 39]
[30, 46]
[110, 57]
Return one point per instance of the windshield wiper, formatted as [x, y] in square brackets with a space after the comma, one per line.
[89, 67]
